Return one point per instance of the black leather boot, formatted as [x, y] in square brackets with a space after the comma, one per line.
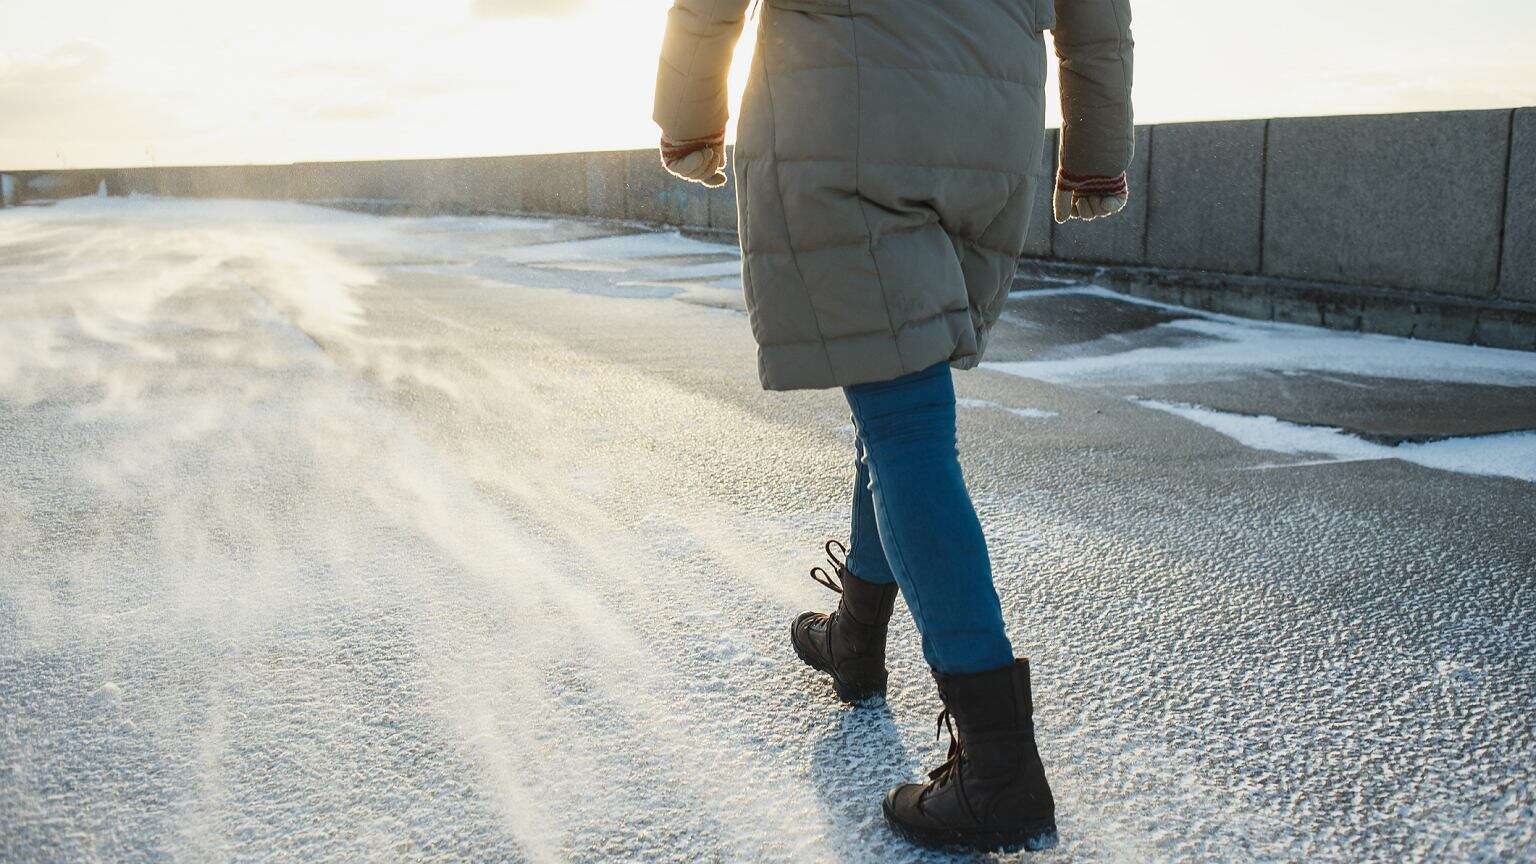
[849, 643]
[991, 794]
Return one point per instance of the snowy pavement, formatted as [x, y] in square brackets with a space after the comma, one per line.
[329, 536]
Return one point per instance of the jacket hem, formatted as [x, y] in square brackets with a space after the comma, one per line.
[867, 358]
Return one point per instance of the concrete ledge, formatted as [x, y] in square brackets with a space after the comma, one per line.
[1206, 196]
[550, 183]
[1413, 224]
[605, 182]
[653, 195]
[1338, 306]
[234, 181]
[317, 180]
[492, 185]
[1410, 200]
[52, 185]
[1517, 274]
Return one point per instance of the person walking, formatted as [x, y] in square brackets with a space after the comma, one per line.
[886, 162]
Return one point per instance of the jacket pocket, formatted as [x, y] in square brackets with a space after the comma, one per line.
[1045, 15]
[821, 7]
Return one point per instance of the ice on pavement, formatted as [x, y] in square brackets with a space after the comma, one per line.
[326, 536]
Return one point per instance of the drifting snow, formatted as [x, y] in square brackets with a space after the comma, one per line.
[317, 545]
[298, 605]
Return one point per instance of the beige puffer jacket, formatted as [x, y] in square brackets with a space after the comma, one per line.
[887, 160]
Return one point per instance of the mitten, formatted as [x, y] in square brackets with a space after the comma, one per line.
[1089, 197]
[698, 160]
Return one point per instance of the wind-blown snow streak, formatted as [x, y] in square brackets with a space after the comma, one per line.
[187, 373]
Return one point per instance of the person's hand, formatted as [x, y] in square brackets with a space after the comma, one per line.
[1089, 197]
[697, 160]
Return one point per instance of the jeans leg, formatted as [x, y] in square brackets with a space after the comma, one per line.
[926, 522]
[866, 558]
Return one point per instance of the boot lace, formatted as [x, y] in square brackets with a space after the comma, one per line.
[839, 562]
[942, 774]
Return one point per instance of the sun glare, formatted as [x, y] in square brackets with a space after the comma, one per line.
[154, 82]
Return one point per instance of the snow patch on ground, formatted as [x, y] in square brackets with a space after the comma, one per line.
[1511, 454]
[1032, 413]
[707, 270]
[1226, 347]
[459, 225]
[625, 246]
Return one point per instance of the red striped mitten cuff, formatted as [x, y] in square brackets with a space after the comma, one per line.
[698, 160]
[1092, 184]
[671, 151]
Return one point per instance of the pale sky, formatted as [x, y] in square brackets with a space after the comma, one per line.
[109, 83]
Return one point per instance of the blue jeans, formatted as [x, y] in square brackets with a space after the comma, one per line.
[913, 521]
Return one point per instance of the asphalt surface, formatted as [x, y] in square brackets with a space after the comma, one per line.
[333, 536]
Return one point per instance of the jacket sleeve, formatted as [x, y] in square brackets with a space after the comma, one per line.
[1093, 43]
[695, 59]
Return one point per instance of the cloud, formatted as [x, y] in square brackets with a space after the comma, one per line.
[331, 69]
[502, 9]
[62, 106]
[1438, 87]
[69, 65]
[347, 112]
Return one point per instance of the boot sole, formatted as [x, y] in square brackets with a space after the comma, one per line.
[853, 694]
[1033, 836]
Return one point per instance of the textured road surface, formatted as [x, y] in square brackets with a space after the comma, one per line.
[332, 536]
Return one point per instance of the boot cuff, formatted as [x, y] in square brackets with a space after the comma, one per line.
[998, 700]
[869, 604]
